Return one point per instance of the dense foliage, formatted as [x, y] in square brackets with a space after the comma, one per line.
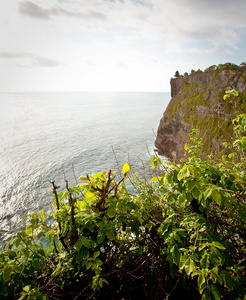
[180, 236]
[226, 66]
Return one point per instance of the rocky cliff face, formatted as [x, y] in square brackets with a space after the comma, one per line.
[197, 102]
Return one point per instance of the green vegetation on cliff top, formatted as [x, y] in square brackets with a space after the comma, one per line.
[203, 107]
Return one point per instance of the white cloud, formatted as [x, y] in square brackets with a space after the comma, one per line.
[30, 60]
[106, 43]
[155, 20]
[34, 10]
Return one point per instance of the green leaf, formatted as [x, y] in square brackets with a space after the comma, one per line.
[88, 265]
[38, 232]
[155, 161]
[11, 254]
[177, 237]
[111, 211]
[85, 241]
[96, 254]
[78, 244]
[7, 273]
[215, 276]
[29, 229]
[17, 242]
[215, 292]
[89, 196]
[205, 261]
[101, 281]
[200, 281]
[42, 216]
[50, 235]
[155, 179]
[83, 178]
[180, 175]
[227, 280]
[216, 258]
[218, 245]
[110, 234]
[234, 92]
[100, 237]
[205, 245]
[82, 205]
[208, 192]
[195, 193]
[64, 195]
[176, 256]
[126, 168]
[168, 179]
[190, 185]
[27, 288]
[184, 172]
[181, 198]
[164, 228]
[206, 295]
[216, 197]
[229, 93]
[188, 264]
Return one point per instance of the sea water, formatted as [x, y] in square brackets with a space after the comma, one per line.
[44, 135]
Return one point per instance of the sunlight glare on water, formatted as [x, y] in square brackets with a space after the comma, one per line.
[41, 133]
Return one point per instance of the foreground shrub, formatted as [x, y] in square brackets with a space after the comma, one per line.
[181, 236]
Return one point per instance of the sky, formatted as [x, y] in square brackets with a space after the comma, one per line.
[115, 45]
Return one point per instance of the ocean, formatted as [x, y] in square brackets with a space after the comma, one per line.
[44, 134]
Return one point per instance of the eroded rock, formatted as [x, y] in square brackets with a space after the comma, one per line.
[197, 102]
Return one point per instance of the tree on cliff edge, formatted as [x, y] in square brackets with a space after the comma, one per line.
[176, 75]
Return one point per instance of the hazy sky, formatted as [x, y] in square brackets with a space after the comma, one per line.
[115, 45]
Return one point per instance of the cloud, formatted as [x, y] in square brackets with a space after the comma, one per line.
[33, 10]
[182, 22]
[30, 60]
[45, 62]
[132, 21]
[10, 55]
[93, 38]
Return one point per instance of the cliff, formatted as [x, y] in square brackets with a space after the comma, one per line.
[197, 102]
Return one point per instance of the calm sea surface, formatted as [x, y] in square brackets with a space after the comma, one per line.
[41, 133]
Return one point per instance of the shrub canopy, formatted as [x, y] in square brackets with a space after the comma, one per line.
[179, 234]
